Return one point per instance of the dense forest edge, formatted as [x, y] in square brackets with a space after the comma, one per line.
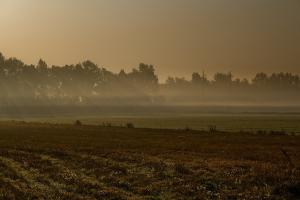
[88, 84]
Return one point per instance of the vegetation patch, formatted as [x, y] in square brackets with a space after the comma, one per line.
[44, 161]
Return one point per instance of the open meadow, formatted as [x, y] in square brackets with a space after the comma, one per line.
[48, 161]
[223, 118]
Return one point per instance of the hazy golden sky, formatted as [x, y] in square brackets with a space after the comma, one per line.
[177, 36]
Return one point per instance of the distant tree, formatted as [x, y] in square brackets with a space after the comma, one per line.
[2, 59]
[13, 67]
[177, 82]
[89, 66]
[86, 82]
[42, 66]
[122, 74]
[261, 79]
[147, 73]
[170, 81]
[182, 82]
[283, 80]
[145, 76]
[245, 83]
[197, 79]
[223, 79]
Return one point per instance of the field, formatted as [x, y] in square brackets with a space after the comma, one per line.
[226, 122]
[229, 119]
[54, 161]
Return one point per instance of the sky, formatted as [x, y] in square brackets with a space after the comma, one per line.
[177, 36]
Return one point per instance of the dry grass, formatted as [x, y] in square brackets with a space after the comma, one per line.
[43, 161]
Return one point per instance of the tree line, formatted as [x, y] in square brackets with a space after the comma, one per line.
[86, 82]
[261, 80]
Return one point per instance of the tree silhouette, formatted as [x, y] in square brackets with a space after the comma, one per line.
[86, 82]
[2, 59]
[223, 79]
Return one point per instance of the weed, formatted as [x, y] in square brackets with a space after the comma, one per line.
[78, 123]
[130, 125]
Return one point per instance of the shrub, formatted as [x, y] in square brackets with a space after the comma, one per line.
[277, 133]
[130, 125]
[212, 129]
[78, 123]
[187, 128]
[109, 125]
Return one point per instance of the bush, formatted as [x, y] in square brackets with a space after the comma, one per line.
[109, 125]
[187, 128]
[78, 123]
[212, 129]
[277, 133]
[129, 125]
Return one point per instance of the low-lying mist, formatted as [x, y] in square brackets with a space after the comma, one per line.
[88, 85]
